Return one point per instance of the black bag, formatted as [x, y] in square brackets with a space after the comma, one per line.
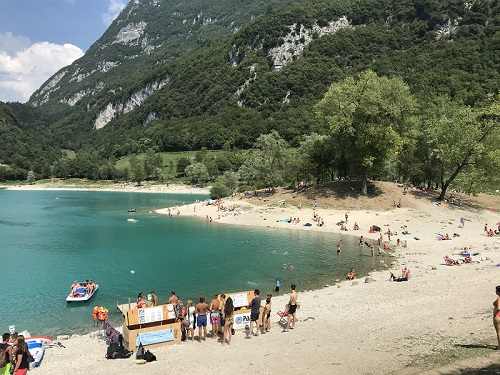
[140, 352]
[232, 331]
[149, 357]
[29, 357]
[117, 351]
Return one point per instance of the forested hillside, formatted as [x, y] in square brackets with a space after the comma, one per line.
[170, 76]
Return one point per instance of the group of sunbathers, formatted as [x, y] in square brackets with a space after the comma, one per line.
[490, 232]
[318, 219]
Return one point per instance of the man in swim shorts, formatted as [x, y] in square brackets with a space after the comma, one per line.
[292, 308]
[215, 315]
[255, 312]
[202, 310]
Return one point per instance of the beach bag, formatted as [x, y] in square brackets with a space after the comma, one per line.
[117, 351]
[149, 357]
[140, 352]
[29, 357]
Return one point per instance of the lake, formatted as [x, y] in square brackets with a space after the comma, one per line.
[50, 238]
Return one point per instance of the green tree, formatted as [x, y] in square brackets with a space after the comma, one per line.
[182, 163]
[460, 138]
[369, 114]
[197, 173]
[267, 165]
[137, 170]
[152, 164]
[30, 177]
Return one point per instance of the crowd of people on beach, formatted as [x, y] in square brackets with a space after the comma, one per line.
[220, 313]
[15, 357]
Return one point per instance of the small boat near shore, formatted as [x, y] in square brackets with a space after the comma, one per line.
[132, 210]
[82, 291]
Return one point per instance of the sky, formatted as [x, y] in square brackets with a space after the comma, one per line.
[39, 37]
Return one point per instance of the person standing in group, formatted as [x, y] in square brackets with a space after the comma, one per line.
[255, 312]
[228, 320]
[173, 299]
[21, 357]
[496, 315]
[267, 314]
[190, 319]
[215, 315]
[201, 318]
[292, 308]
[5, 355]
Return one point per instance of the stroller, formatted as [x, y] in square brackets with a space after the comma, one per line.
[283, 322]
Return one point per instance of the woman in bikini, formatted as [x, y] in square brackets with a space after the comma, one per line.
[496, 315]
[228, 320]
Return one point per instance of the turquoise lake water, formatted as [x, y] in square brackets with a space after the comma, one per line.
[50, 238]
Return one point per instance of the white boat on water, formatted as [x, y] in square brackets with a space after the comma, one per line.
[82, 292]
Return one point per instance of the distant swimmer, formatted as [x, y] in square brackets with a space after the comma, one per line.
[277, 285]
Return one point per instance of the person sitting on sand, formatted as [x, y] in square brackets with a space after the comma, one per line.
[351, 275]
[202, 310]
[405, 275]
[356, 226]
[496, 315]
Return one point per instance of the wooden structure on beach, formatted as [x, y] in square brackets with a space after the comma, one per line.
[152, 326]
[157, 326]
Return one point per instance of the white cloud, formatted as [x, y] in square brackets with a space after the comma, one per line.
[24, 66]
[114, 7]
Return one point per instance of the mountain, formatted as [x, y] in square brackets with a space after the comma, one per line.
[170, 75]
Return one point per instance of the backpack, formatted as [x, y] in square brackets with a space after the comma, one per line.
[29, 357]
[149, 357]
[116, 351]
[140, 352]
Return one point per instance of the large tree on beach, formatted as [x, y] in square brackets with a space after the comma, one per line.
[462, 139]
[368, 114]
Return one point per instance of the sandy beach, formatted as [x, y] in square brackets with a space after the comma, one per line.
[62, 185]
[441, 317]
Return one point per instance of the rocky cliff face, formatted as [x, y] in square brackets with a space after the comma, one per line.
[130, 62]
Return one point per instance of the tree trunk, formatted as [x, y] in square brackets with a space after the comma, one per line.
[444, 188]
[364, 186]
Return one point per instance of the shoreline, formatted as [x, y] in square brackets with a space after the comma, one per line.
[379, 327]
[114, 188]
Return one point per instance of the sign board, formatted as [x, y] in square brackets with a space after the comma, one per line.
[239, 299]
[156, 337]
[241, 320]
[150, 314]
